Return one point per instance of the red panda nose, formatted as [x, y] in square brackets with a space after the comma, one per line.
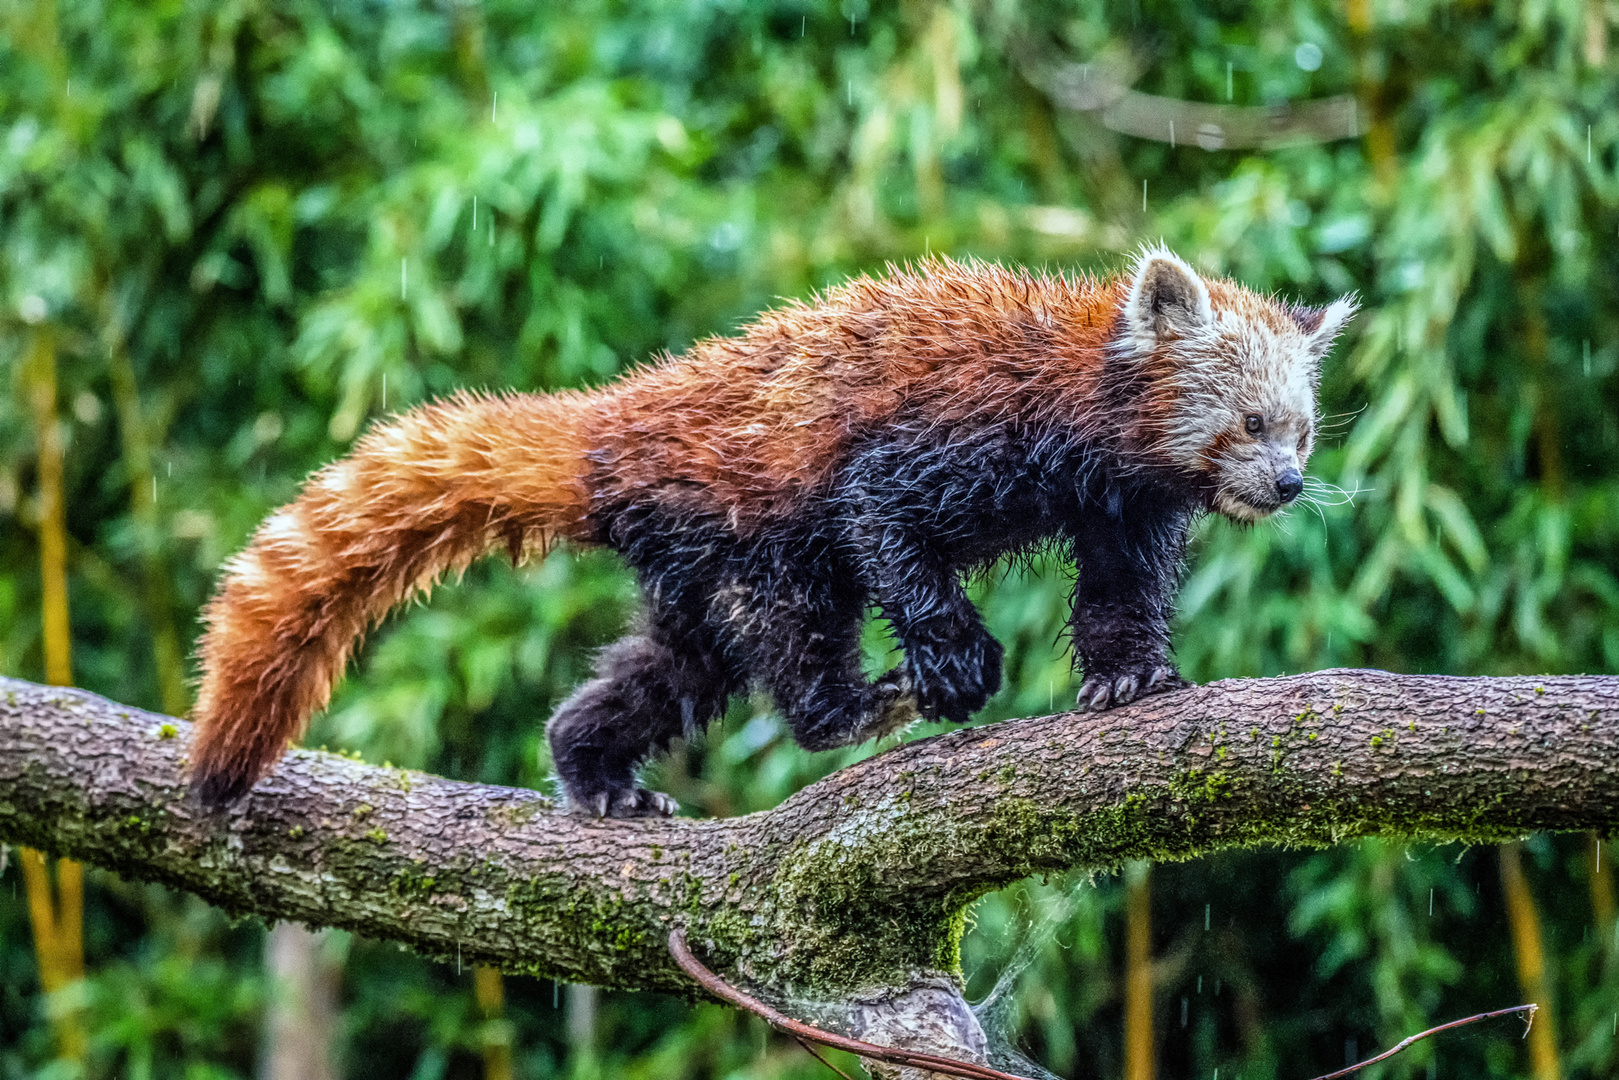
[1289, 484]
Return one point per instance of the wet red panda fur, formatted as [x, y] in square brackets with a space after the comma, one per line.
[863, 449]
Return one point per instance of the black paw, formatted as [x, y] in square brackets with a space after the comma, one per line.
[954, 678]
[624, 803]
[1099, 692]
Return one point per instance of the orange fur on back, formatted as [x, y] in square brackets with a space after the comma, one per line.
[753, 423]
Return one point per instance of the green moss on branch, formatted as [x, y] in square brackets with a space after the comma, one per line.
[861, 880]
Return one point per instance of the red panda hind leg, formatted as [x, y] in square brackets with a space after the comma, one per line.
[648, 689]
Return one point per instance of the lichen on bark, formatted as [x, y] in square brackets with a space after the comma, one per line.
[857, 883]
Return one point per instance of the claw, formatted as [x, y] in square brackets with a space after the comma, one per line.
[639, 802]
[626, 803]
[1097, 693]
[1093, 696]
[661, 805]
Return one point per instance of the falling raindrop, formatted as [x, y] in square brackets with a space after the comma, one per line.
[1588, 144]
[1186, 1005]
[494, 100]
[1430, 903]
[1207, 908]
[385, 409]
[1588, 372]
[403, 263]
[1143, 195]
[803, 25]
[555, 994]
[1308, 56]
[458, 959]
[1228, 94]
[1200, 984]
[475, 213]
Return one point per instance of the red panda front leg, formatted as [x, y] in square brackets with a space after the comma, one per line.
[1128, 567]
[952, 662]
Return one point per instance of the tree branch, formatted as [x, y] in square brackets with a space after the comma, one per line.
[856, 882]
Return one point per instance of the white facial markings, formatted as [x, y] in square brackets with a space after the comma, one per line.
[1217, 366]
[1243, 368]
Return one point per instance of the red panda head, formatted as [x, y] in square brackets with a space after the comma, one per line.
[1232, 379]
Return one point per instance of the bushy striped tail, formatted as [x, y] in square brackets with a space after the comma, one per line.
[421, 494]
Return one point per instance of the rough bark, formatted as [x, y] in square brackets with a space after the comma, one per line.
[857, 882]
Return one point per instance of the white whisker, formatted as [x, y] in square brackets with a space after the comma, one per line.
[1339, 419]
[1315, 504]
[1325, 493]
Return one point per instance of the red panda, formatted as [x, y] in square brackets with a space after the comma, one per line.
[769, 489]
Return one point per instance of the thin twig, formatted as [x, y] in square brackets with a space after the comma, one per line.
[1530, 1009]
[809, 1047]
[800, 1030]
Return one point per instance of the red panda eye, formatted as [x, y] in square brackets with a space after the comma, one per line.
[1253, 424]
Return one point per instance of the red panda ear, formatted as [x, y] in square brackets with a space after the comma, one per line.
[1329, 321]
[1167, 299]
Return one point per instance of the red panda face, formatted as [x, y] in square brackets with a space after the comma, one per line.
[1234, 377]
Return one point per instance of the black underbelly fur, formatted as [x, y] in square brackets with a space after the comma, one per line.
[908, 513]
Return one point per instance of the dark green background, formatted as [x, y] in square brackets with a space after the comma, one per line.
[221, 195]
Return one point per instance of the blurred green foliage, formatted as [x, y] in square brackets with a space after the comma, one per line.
[251, 228]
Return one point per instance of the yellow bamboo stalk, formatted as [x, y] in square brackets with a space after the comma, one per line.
[1596, 33]
[1602, 905]
[52, 511]
[490, 991]
[58, 925]
[1138, 1039]
[1378, 124]
[1531, 956]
